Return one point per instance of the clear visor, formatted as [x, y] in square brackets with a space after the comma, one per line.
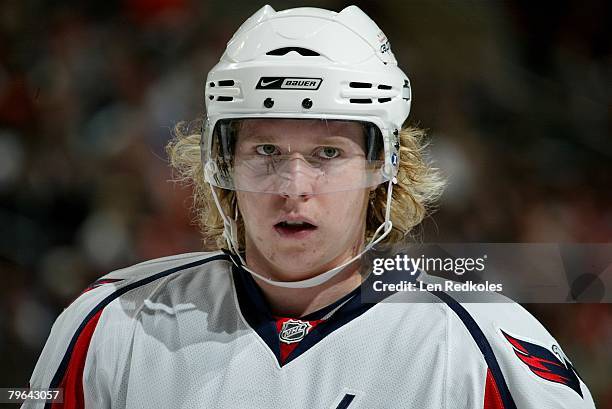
[294, 156]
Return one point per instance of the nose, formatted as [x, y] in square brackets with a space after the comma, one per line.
[298, 178]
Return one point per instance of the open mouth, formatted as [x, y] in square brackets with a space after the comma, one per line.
[294, 228]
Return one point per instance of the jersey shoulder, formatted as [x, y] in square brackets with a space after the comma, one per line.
[110, 305]
[526, 360]
[145, 268]
[147, 280]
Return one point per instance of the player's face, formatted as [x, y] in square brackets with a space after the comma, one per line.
[297, 235]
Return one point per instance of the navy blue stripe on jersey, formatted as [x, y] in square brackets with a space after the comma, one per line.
[483, 344]
[59, 374]
[345, 314]
[320, 314]
[255, 310]
[258, 315]
[346, 401]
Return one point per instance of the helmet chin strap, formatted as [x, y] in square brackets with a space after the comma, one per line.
[230, 234]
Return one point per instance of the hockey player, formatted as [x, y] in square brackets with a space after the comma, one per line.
[302, 167]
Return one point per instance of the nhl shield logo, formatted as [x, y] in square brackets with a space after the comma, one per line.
[294, 331]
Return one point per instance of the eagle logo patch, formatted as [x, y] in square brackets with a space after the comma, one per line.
[545, 363]
[294, 331]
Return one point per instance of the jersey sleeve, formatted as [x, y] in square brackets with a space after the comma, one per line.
[533, 366]
[67, 358]
[88, 349]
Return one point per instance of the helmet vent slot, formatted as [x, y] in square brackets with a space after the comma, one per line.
[360, 85]
[382, 86]
[406, 91]
[304, 52]
[224, 98]
[360, 101]
[226, 83]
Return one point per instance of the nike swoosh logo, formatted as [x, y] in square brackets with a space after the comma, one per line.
[265, 84]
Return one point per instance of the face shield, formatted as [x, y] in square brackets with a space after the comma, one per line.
[294, 156]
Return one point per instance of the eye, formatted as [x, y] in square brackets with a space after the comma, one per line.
[328, 152]
[267, 150]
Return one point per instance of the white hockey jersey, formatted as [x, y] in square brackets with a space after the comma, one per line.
[194, 331]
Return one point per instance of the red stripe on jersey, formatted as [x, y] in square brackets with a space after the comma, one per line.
[73, 378]
[98, 283]
[492, 397]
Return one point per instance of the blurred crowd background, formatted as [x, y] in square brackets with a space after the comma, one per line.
[515, 95]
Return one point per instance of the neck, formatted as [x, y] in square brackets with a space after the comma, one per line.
[297, 302]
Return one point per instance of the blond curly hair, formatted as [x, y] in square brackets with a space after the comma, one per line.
[419, 186]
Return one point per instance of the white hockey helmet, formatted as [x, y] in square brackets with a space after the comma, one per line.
[305, 63]
[311, 64]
